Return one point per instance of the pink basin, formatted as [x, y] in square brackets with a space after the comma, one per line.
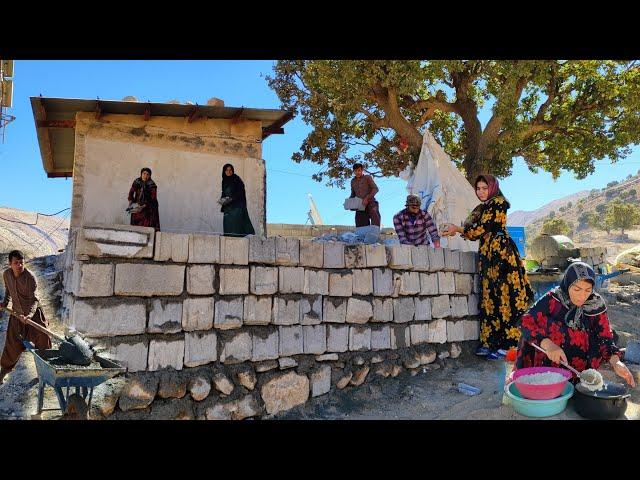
[541, 392]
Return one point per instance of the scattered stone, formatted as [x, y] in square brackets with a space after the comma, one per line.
[172, 385]
[287, 362]
[358, 360]
[414, 371]
[284, 392]
[395, 371]
[360, 375]
[455, 350]
[266, 366]
[327, 357]
[384, 370]
[247, 378]
[321, 381]
[427, 357]
[199, 388]
[222, 383]
[344, 381]
[377, 359]
[138, 393]
[412, 360]
[442, 355]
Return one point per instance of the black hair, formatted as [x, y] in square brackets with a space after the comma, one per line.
[145, 169]
[16, 254]
[357, 165]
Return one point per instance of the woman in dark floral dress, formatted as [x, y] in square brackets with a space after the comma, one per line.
[570, 322]
[144, 192]
[506, 292]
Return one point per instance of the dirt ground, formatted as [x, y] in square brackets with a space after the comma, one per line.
[431, 394]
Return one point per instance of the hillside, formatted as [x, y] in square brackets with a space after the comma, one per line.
[523, 218]
[35, 235]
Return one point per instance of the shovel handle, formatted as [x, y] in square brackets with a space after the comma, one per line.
[35, 325]
[561, 362]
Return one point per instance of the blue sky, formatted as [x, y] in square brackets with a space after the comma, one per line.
[238, 83]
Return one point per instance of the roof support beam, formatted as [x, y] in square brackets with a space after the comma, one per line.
[56, 123]
[194, 113]
[46, 149]
[147, 112]
[237, 117]
[98, 110]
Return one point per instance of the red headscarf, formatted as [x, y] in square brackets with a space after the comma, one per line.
[492, 183]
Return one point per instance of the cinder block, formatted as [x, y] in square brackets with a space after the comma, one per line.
[165, 354]
[340, 284]
[334, 310]
[291, 341]
[266, 345]
[400, 337]
[171, 247]
[200, 279]
[320, 381]
[355, 256]
[383, 310]
[440, 306]
[262, 250]
[400, 256]
[428, 284]
[311, 310]
[381, 338]
[95, 320]
[287, 251]
[257, 310]
[468, 262]
[291, 279]
[234, 250]
[204, 248]
[234, 280]
[229, 313]
[455, 331]
[236, 348]
[311, 253]
[124, 241]
[200, 348]
[471, 329]
[409, 282]
[459, 306]
[337, 338]
[362, 282]
[316, 282]
[382, 282]
[419, 333]
[451, 260]
[286, 311]
[333, 255]
[446, 283]
[376, 255]
[477, 286]
[404, 309]
[165, 316]
[420, 258]
[263, 280]
[92, 279]
[359, 338]
[147, 280]
[463, 283]
[438, 331]
[197, 313]
[436, 259]
[315, 339]
[423, 309]
[359, 310]
[132, 356]
[473, 304]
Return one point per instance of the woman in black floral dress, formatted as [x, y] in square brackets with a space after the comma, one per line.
[570, 322]
[506, 292]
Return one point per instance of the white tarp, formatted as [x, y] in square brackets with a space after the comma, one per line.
[445, 192]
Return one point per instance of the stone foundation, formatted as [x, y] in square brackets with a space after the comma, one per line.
[214, 327]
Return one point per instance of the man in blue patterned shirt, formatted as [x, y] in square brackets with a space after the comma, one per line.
[415, 226]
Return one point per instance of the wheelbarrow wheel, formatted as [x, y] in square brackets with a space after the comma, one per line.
[76, 408]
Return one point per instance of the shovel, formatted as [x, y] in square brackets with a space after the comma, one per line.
[74, 350]
[591, 381]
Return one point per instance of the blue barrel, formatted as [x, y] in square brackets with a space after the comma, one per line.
[517, 233]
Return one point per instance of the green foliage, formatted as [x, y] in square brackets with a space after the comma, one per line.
[556, 115]
[556, 226]
[552, 214]
[570, 204]
[588, 219]
[612, 184]
[622, 215]
[601, 209]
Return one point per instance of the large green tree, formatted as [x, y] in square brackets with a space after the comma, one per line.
[555, 114]
[622, 215]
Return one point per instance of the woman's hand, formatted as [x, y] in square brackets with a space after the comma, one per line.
[449, 229]
[623, 372]
[554, 352]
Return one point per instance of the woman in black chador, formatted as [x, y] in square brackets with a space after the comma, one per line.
[234, 204]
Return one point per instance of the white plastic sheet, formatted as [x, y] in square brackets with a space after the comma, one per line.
[445, 192]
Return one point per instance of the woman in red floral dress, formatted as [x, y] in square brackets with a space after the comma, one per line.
[570, 322]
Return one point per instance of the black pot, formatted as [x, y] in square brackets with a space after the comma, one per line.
[606, 404]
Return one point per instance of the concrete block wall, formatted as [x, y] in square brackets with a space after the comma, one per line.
[291, 313]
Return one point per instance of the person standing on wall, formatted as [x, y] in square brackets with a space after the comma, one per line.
[415, 226]
[505, 287]
[363, 186]
[236, 221]
[20, 290]
[144, 193]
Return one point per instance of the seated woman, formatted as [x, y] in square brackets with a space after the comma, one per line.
[236, 221]
[570, 322]
[144, 192]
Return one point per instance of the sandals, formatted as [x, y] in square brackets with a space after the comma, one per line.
[483, 351]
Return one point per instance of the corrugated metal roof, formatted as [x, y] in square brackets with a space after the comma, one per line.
[55, 122]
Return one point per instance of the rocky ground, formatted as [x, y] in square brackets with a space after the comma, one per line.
[431, 394]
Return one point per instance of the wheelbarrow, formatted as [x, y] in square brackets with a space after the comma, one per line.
[84, 379]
